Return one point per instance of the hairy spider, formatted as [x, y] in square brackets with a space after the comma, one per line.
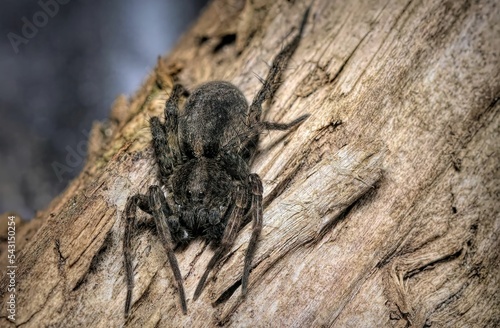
[203, 154]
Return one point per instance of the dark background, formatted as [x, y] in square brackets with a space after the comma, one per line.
[58, 77]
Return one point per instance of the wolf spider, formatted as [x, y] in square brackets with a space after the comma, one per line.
[203, 157]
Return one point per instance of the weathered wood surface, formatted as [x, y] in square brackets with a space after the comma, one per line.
[382, 209]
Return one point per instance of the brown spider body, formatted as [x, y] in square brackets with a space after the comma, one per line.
[203, 153]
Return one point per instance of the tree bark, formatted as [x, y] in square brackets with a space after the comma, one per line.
[380, 210]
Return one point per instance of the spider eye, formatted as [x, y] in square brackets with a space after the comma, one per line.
[196, 194]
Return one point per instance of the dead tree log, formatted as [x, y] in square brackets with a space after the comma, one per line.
[382, 209]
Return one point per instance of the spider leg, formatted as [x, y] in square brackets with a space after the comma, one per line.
[171, 120]
[283, 126]
[256, 209]
[273, 79]
[230, 233]
[155, 204]
[157, 201]
[133, 202]
[243, 139]
[165, 141]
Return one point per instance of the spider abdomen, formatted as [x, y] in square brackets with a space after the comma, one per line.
[215, 113]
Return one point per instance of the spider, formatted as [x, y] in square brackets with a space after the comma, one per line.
[203, 155]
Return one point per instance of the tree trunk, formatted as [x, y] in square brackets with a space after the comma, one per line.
[380, 210]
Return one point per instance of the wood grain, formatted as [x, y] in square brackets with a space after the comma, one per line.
[382, 209]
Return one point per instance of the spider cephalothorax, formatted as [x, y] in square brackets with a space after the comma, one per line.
[203, 154]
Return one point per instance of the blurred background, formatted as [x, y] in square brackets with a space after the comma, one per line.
[62, 64]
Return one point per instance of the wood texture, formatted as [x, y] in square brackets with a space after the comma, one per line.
[382, 209]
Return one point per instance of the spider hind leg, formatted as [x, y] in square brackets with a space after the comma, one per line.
[273, 79]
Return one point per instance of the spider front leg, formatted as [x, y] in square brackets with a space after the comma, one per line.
[256, 210]
[153, 203]
[230, 233]
[133, 202]
[158, 203]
